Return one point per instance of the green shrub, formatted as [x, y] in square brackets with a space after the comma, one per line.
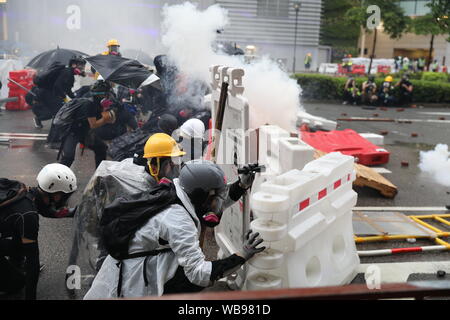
[324, 87]
[434, 76]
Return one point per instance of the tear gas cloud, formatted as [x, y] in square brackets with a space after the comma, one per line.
[188, 34]
[437, 163]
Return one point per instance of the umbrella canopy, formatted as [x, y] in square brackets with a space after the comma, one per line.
[126, 72]
[138, 55]
[47, 58]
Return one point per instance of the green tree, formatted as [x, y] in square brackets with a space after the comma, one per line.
[427, 25]
[440, 11]
[393, 19]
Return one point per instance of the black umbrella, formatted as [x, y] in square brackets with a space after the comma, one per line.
[126, 72]
[47, 58]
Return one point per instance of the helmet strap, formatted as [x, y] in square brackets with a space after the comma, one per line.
[158, 168]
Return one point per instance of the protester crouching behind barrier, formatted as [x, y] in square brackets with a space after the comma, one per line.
[20, 208]
[163, 255]
[88, 116]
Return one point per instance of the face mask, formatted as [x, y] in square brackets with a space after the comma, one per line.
[78, 72]
[53, 207]
[211, 211]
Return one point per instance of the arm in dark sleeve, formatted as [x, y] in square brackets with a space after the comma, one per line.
[64, 83]
[31, 253]
[224, 267]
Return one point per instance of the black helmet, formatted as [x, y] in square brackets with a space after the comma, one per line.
[100, 87]
[205, 184]
[372, 78]
[77, 60]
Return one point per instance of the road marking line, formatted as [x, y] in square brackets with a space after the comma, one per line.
[381, 170]
[23, 138]
[23, 134]
[400, 208]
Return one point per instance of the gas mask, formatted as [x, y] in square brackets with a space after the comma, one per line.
[169, 168]
[106, 104]
[210, 212]
[78, 71]
[54, 206]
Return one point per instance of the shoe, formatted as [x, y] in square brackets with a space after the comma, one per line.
[37, 123]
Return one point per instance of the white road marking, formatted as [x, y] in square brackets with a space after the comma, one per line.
[23, 136]
[436, 113]
[400, 208]
[381, 170]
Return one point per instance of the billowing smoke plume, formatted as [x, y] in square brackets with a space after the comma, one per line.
[437, 163]
[188, 34]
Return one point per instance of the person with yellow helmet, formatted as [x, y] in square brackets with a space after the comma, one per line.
[386, 95]
[113, 48]
[163, 157]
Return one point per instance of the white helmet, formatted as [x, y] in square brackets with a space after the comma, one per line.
[193, 128]
[56, 177]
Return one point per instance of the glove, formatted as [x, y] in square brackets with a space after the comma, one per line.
[246, 180]
[252, 240]
[109, 116]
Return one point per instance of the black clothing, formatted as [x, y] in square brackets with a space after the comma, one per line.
[81, 133]
[64, 83]
[18, 220]
[405, 97]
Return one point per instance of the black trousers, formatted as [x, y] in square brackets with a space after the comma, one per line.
[12, 280]
[42, 112]
[92, 141]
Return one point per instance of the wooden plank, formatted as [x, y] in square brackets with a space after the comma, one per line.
[367, 177]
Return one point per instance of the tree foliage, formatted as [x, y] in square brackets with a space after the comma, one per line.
[335, 30]
[440, 11]
[393, 18]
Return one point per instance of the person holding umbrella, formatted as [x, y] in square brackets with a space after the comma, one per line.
[87, 117]
[54, 84]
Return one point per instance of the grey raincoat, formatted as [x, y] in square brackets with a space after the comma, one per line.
[181, 229]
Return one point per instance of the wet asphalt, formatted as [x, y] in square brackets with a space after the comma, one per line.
[22, 160]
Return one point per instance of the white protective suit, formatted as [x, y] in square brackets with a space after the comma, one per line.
[176, 226]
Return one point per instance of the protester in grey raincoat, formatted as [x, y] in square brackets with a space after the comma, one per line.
[180, 265]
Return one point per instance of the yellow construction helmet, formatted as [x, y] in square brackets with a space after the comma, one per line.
[113, 42]
[389, 79]
[162, 145]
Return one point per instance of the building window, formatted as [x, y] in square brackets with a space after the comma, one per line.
[273, 8]
[415, 7]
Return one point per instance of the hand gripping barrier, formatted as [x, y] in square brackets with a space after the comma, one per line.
[305, 218]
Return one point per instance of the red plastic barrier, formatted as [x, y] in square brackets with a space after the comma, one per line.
[359, 69]
[384, 69]
[25, 79]
[348, 142]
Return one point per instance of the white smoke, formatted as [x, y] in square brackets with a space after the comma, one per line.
[188, 34]
[437, 163]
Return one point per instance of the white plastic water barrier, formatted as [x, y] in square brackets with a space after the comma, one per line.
[315, 122]
[305, 218]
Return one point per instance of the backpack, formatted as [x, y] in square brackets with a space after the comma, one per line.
[46, 78]
[68, 115]
[126, 145]
[124, 216]
[11, 191]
